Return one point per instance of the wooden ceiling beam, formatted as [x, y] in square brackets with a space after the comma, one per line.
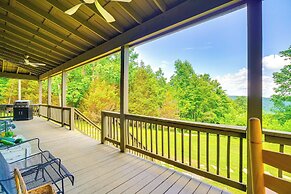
[129, 11]
[55, 50]
[161, 5]
[19, 53]
[99, 18]
[17, 60]
[20, 59]
[3, 66]
[27, 41]
[40, 25]
[18, 76]
[16, 43]
[59, 45]
[82, 22]
[56, 21]
[194, 12]
[9, 59]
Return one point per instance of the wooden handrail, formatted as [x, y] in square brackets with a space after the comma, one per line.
[86, 118]
[235, 131]
[139, 125]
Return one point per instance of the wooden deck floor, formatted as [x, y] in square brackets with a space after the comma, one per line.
[101, 168]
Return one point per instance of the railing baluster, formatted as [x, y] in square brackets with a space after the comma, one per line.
[136, 128]
[157, 140]
[162, 129]
[141, 136]
[113, 125]
[280, 174]
[182, 145]
[151, 128]
[117, 129]
[175, 141]
[87, 128]
[128, 132]
[169, 143]
[146, 135]
[190, 147]
[218, 153]
[207, 151]
[240, 159]
[228, 156]
[198, 149]
[132, 133]
[110, 124]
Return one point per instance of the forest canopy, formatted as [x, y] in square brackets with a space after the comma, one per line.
[187, 95]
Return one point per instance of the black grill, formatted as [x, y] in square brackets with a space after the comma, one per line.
[22, 110]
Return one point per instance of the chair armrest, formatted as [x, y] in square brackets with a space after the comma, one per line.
[26, 141]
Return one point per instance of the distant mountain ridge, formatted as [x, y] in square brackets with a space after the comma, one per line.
[268, 104]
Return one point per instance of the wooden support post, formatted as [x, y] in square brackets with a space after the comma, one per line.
[63, 96]
[72, 118]
[49, 97]
[39, 92]
[123, 95]
[39, 96]
[256, 156]
[104, 127]
[19, 89]
[254, 22]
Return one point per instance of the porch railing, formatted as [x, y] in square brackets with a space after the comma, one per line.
[86, 126]
[216, 152]
[6, 110]
[61, 115]
[72, 117]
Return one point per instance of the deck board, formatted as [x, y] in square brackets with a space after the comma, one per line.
[102, 168]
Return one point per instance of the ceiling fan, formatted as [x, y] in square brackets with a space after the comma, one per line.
[27, 62]
[108, 17]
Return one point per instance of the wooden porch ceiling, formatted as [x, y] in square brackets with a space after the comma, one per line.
[10, 70]
[43, 31]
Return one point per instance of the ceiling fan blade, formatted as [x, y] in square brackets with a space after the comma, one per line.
[126, 1]
[73, 10]
[89, 1]
[32, 64]
[108, 17]
[26, 61]
[38, 64]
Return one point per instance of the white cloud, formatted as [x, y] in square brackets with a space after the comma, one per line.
[275, 62]
[236, 84]
[268, 86]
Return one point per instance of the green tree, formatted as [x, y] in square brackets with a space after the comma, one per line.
[3, 90]
[199, 97]
[282, 96]
[143, 92]
[101, 96]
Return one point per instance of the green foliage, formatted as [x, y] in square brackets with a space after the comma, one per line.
[3, 89]
[189, 96]
[199, 97]
[78, 84]
[144, 92]
[29, 90]
[100, 96]
[282, 96]
[56, 90]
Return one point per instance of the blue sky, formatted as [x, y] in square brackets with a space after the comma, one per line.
[219, 47]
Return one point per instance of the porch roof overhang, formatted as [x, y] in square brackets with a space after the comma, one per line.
[43, 31]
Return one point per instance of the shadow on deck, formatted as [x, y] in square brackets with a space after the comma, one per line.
[101, 168]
